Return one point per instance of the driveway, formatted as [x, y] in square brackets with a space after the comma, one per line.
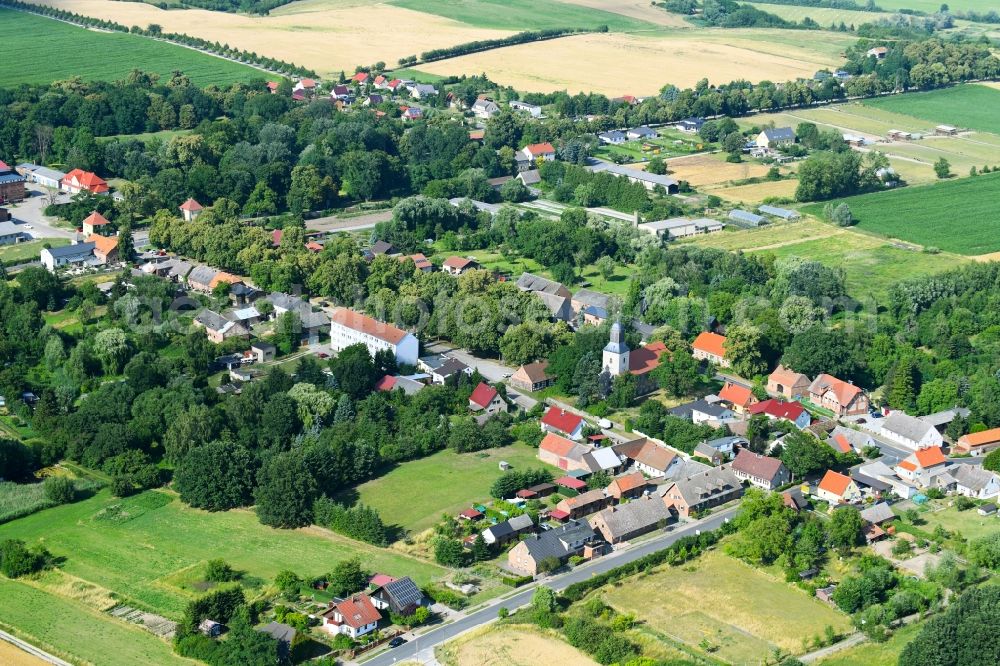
[334, 223]
[29, 213]
[493, 371]
[422, 649]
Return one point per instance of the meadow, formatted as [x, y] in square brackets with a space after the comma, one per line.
[871, 264]
[743, 612]
[969, 523]
[77, 632]
[957, 215]
[12, 254]
[518, 15]
[110, 55]
[969, 106]
[135, 547]
[416, 493]
[874, 654]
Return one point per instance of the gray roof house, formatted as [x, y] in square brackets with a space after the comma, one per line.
[401, 596]
[613, 137]
[943, 418]
[536, 283]
[508, 530]
[974, 481]
[559, 543]
[282, 633]
[627, 521]
[641, 132]
[80, 253]
[702, 491]
[878, 513]
[910, 431]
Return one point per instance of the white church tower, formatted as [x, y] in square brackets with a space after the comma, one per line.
[616, 352]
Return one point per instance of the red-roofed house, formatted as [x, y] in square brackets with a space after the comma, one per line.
[840, 397]
[420, 262]
[273, 87]
[978, 443]
[836, 488]
[458, 265]
[348, 327]
[777, 410]
[471, 514]
[304, 86]
[560, 421]
[738, 396]
[380, 82]
[761, 471]
[276, 237]
[487, 400]
[360, 78]
[191, 209]
[537, 151]
[710, 347]
[105, 248]
[627, 486]
[78, 180]
[562, 453]
[921, 466]
[94, 223]
[648, 457]
[354, 616]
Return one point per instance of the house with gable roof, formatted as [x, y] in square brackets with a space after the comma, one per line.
[921, 466]
[623, 522]
[911, 432]
[787, 383]
[837, 488]
[399, 596]
[778, 410]
[562, 453]
[976, 482]
[840, 397]
[354, 616]
[627, 486]
[845, 440]
[703, 490]
[348, 327]
[710, 347]
[507, 531]
[648, 457]
[761, 471]
[218, 328]
[78, 180]
[978, 443]
[574, 538]
[562, 422]
[487, 400]
[740, 398]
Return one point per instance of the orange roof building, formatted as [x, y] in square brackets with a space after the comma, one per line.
[710, 347]
[978, 443]
[840, 397]
[93, 222]
[740, 397]
[105, 248]
[350, 328]
[78, 180]
[629, 485]
[837, 488]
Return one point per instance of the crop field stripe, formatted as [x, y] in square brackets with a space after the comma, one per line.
[917, 214]
[969, 106]
[55, 49]
[525, 14]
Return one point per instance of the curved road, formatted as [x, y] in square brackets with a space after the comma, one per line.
[422, 649]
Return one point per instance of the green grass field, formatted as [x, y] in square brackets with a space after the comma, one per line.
[524, 14]
[742, 611]
[416, 493]
[969, 523]
[966, 106]
[135, 547]
[29, 250]
[109, 56]
[874, 654]
[957, 215]
[78, 632]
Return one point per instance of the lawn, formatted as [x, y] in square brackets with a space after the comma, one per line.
[113, 55]
[524, 14]
[78, 632]
[741, 611]
[416, 493]
[29, 251]
[966, 106]
[874, 654]
[957, 215]
[616, 285]
[136, 546]
[969, 523]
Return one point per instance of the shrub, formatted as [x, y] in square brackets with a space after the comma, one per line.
[18, 560]
[218, 571]
[59, 489]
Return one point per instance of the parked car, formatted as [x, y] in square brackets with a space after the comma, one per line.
[397, 641]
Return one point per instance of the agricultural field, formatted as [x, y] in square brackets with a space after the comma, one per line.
[692, 55]
[872, 265]
[822, 15]
[78, 632]
[160, 537]
[415, 494]
[914, 214]
[518, 15]
[757, 192]
[743, 612]
[13, 656]
[713, 169]
[933, 5]
[510, 645]
[969, 106]
[637, 9]
[115, 54]
[20, 252]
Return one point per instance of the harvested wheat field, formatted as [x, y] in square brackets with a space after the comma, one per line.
[619, 64]
[512, 645]
[325, 35]
[13, 656]
[712, 169]
[758, 191]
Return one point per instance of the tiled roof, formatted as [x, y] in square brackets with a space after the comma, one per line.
[779, 409]
[483, 395]
[628, 482]
[834, 482]
[973, 439]
[357, 611]
[844, 391]
[539, 148]
[929, 457]
[365, 324]
[95, 219]
[736, 394]
[191, 205]
[560, 446]
[562, 420]
[711, 343]
[756, 465]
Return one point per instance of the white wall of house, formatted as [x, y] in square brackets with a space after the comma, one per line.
[405, 351]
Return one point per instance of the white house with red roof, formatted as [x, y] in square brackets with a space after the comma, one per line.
[563, 423]
[94, 224]
[304, 86]
[536, 151]
[380, 82]
[837, 488]
[761, 471]
[777, 410]
[78, 180]
[739, 397]
[710, 347]
[354, 616]
[921, 466]
[191, 209]
[458, 265]
[487, 400]
[361, 78]
[348, 327]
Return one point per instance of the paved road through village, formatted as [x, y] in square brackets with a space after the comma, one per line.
[422, 649]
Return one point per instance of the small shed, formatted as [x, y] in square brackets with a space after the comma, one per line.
[783, 213]
[987, 509]
[210, 628]
[504, 465]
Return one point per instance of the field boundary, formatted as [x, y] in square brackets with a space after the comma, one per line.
[32, 650]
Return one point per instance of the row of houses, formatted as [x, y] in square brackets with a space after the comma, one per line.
[72, 182]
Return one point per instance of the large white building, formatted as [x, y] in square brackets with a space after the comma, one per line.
[349, 328]
[910, 431]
